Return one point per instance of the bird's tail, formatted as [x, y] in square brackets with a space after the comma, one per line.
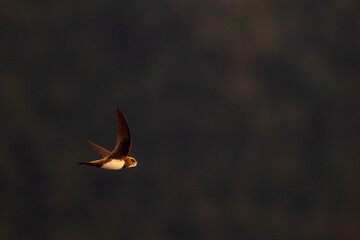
[90, 164]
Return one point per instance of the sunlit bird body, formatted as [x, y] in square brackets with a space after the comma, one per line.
[118, 158]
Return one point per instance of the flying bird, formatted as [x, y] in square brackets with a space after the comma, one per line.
[118, 158]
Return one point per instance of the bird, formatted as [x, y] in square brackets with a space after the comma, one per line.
[118, 158]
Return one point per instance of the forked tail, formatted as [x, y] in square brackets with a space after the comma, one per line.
[91, 164]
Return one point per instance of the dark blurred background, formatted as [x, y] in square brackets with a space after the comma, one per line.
[244, 118]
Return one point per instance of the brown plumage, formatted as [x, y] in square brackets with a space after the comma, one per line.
[118, 158]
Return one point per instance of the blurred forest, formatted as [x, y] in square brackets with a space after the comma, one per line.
[244, 118]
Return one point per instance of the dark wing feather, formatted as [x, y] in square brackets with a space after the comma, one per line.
[104, 152]
[123, 141]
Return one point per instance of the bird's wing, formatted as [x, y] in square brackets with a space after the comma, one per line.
[123, 141]
[99, 149]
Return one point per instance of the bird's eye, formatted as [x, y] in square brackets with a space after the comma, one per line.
[132, 160]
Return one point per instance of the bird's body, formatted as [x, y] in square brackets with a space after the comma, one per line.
[118, 158]
[114, 164]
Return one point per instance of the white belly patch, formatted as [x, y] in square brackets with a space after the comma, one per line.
[114, 164]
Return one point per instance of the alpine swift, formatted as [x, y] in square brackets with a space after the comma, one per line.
[118, 158]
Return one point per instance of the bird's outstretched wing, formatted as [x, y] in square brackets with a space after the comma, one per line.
[123, 141]
[104, 152]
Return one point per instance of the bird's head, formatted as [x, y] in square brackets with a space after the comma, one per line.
[130, 162]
